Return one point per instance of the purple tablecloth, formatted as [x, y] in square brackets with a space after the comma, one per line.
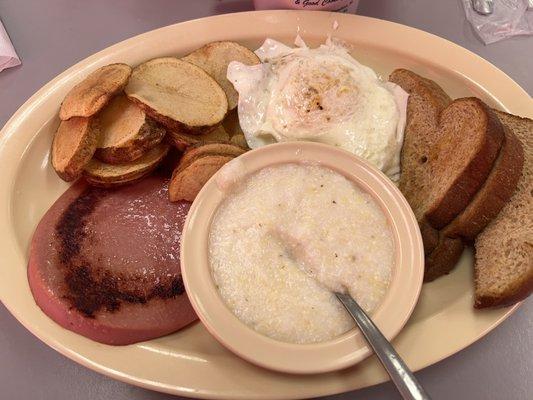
[54, 34]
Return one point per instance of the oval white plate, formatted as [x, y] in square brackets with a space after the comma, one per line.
[191, 362]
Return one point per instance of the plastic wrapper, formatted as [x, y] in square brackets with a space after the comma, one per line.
[509, 18]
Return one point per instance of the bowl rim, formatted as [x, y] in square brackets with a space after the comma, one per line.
[345, 350]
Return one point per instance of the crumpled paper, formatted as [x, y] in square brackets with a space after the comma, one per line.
[8, 55]
[510, 18]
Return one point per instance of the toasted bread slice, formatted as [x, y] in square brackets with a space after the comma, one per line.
[426, 102]
[461, 161]
[178, 94]
[214, 58]
[503, 269]
[209, 149]
[443, 258]
[182, 140]
[126, 133]
[430, 236]
[188, 180]
[92, 94]
[494, 194]
[448, 152]
[441, 253]
[99, 173]
[73, 147]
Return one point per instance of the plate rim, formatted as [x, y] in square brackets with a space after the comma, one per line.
[41, 95]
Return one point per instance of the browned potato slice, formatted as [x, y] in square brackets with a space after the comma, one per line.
[231, 123]
[178, 94]
[239, 140]
[99, 173]
[73, 146]
[92, 94]
[182, 140]
[126, 133]
[214, 58]
[212, 149]
[112, 184]
[188, 181]
[232, 126]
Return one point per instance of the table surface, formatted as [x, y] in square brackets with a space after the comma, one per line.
[55, 34]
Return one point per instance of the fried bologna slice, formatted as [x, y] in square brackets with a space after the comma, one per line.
[494, 194]
[503, 269]
[126, 133]
[188, 180]
[98, 173]
[214, 58]
[178, 94]
[73, 147]
[92, 94]
[182, 140]
[449, 149]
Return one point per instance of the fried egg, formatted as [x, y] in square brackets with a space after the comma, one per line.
[320, 94]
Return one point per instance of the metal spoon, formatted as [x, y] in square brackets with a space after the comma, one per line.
[400, 374]
[483, 7]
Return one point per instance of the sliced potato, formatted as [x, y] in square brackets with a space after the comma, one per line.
[232, 126]
[239, 140]
[182, 140]
[126, 133]
[178, 94]
[113, 184]
[186, 182]
[168, 165]
[73, 147]
[94, 92]
[214, 58]
[231, 123]
[99, 173]
[211, 149]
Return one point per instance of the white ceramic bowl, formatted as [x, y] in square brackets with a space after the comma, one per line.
[345, 350]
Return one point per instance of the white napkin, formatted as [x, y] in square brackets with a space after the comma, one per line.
[8, 55]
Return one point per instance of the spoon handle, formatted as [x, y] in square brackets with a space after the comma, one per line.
[400, 374]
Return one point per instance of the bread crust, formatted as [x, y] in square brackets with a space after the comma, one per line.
[433, 120]
[473, 176]
[430, 236]
[443, 258]
[422, 93]
[516, 292]
[494, 194]
[508, 240]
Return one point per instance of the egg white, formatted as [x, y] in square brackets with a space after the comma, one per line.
[323, 95]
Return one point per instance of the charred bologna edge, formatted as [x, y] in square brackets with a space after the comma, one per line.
[73, 288]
